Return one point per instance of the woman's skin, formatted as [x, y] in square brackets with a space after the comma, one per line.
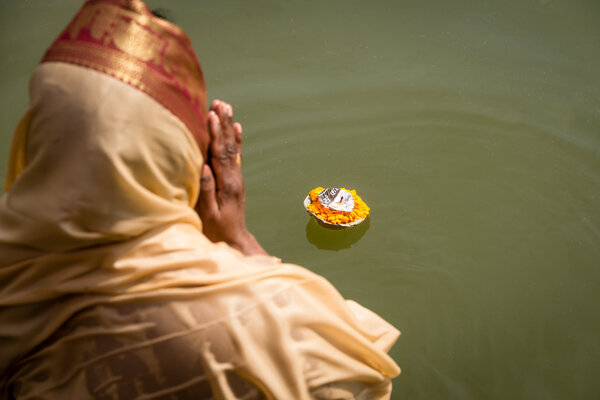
[222, 202]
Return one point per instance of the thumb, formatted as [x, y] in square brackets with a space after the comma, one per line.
[207, 202]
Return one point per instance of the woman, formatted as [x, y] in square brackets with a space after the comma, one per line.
[127, 271]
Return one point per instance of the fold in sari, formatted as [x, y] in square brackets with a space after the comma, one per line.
[108, 288]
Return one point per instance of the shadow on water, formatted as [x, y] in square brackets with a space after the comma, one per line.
[335, 239]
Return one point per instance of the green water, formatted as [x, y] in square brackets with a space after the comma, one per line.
[471, 128]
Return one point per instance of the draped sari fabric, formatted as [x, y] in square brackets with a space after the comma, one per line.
[108, 288]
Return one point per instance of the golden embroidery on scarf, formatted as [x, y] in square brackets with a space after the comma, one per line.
[82, 20]
[117, 27]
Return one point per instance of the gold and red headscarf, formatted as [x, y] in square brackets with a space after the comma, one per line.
[122, 38]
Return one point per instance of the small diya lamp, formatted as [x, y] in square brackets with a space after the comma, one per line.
[336, 207]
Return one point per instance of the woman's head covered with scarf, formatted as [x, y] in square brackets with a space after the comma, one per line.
[95, 160]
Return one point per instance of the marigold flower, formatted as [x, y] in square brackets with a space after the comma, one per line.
[360, 211]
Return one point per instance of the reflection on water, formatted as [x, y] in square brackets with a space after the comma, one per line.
[327, 238]
[471, 130]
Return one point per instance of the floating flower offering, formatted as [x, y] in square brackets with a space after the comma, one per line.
[337, 207]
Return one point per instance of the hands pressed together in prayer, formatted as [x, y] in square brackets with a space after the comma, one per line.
[222, 202]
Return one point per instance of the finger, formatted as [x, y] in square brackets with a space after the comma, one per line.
[217, 157]
[225, 148]
[214, 126]
[208, 193]
[225, 113]
[215, 104]
[214, 135]
[237, 129]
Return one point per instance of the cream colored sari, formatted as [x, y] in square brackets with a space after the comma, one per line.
[108, 288]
